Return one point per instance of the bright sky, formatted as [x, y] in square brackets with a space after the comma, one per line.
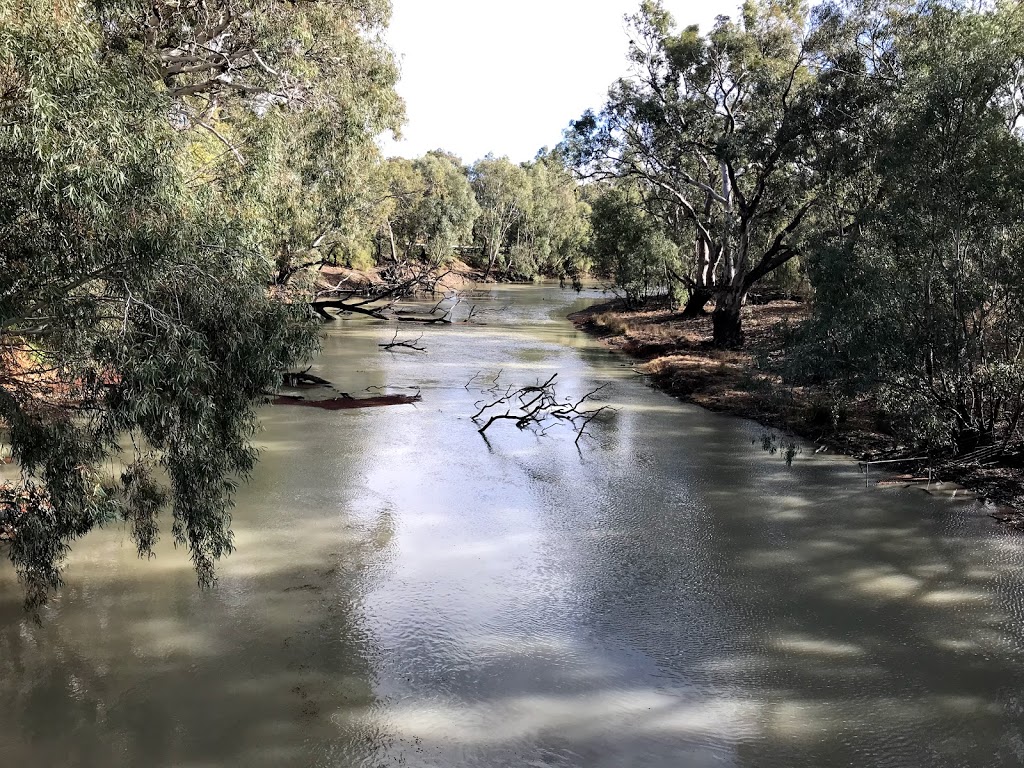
[483, 76]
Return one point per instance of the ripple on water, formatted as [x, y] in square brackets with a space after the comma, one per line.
[406, 593]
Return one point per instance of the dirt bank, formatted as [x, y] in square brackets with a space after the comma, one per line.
[456, 276]
[678, 357]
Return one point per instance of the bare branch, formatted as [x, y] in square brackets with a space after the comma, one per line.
[412, 344]
[538, 408]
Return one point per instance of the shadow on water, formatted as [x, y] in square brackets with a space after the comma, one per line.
[723, 608]
[856, 626]
[891, 618]
[170, 687]
[407, 594]
[133, 665]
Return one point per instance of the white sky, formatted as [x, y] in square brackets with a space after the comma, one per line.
[483, 76]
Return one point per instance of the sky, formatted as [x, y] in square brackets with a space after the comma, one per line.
[482, 76]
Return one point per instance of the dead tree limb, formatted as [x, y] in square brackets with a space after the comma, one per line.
[321, 306]
[412, 344]
[304, 379]
[378, 301]
[380, 304]
[537, 407]
[347, 403]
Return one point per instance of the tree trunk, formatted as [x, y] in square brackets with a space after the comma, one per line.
[695, 304]
[491, 258]
[726, 322]
[391, 240]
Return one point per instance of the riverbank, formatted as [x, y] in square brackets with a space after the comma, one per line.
[678, 358]
[456, 276]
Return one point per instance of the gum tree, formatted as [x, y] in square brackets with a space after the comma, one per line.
[431, 208]
[162, 163]
[552, 237]
[502, 191]
[724, 132]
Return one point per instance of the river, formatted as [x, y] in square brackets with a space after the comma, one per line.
[406, 593]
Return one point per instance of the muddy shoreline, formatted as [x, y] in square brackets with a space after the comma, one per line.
[677, 357]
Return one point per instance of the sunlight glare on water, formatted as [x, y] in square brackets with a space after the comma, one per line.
[407, 593]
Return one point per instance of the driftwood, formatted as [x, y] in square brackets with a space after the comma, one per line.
[379, 301]
[304, 380]
[412, 344]
[536, 407]
[347, 403]
[343, 401]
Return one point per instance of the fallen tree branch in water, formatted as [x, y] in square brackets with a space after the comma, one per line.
[538, 407]
[379, 301]
[304, 380]
[494, 382]
[412, 344]
[347, 403]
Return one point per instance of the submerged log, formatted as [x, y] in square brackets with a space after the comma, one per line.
[305, 380]
[347, 403]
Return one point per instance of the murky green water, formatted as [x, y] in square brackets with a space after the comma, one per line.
[406, 594]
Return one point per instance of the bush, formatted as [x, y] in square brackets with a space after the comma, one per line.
[611, 323]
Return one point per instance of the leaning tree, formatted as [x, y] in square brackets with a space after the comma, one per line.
[162, 164]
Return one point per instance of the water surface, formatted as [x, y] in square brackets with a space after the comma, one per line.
[406, 593]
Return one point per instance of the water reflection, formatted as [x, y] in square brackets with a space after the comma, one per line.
[405, 594]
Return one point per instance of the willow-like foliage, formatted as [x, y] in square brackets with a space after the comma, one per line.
[149, 207]
[919, 302]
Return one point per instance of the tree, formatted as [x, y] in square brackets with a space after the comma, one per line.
[724, 132]
[629, 247]
[502, 191]
[433, 207]
[919, 301]
[296, 93]
[136, 316]
[552, 236]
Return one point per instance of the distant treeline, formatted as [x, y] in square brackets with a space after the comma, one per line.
[513, 221]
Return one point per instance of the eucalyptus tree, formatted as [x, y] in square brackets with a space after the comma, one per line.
[432, 208]
[919, 302]
[629, 246]
[502, 191]
[724, 131]
[157, 161]
[552, 236]
[283, 102]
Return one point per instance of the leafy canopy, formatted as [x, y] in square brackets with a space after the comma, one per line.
[161, 163]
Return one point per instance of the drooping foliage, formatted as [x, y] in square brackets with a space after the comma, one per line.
[920, 300]
[533, 219]
[553, 237]
[502, 190]
[163, 165]
[512, 221]
[430, 209]
[630, 246]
